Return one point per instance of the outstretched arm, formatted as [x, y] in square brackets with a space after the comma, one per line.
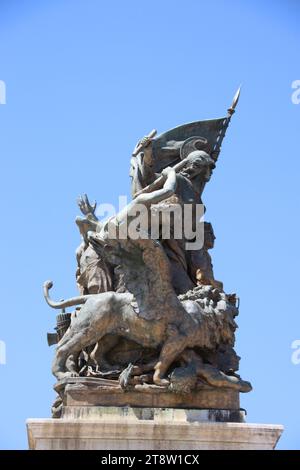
[146, 199]
[159, 195]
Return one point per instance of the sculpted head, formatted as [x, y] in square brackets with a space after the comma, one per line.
[209, 236]
[199, 163]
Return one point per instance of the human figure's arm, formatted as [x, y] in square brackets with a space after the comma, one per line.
[141, 171]
[145, 142]
[146, 199]
[159, 195]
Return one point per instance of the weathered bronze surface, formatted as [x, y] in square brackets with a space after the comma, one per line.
[98, 392]
[152, 327]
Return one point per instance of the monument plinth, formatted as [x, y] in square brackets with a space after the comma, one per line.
[127, 428]
[146, 358]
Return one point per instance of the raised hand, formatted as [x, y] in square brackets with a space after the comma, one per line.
[145, 141]
[85, 206]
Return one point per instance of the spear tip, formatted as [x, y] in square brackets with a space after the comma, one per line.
[235, 101]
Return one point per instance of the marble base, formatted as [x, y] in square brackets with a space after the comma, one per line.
[114, 428]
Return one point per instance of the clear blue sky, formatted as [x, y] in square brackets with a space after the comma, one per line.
[85, 79]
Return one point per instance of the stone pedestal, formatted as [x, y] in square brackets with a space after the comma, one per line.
[127, 428]
[147, 417]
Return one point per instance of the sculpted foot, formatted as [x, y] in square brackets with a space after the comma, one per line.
[158, 380]
[65, 375]
[245, 386]
[237, 384]
[161, 382]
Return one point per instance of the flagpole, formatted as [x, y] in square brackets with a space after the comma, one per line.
[230, 112]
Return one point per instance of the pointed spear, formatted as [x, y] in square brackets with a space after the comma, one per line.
[217, 147]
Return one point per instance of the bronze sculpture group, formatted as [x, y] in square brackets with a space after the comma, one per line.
[150, 312]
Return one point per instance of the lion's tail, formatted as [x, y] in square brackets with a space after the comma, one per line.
[64, 303]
